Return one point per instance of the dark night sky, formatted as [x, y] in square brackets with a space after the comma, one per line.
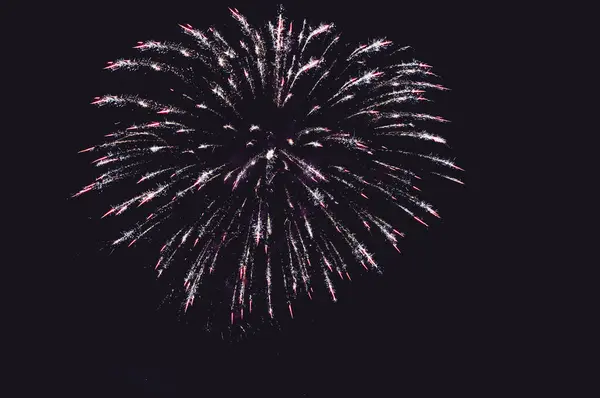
[435, 313]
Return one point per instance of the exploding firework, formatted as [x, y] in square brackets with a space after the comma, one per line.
[268, 156]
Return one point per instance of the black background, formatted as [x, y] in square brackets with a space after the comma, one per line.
[435, 319]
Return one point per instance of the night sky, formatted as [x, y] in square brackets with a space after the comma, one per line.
[430, 319]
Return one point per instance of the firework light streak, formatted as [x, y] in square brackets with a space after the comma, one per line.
[212, 148]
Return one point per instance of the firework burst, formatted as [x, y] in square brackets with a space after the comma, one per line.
[273, 151]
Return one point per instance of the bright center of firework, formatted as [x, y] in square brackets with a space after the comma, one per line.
[270, 154]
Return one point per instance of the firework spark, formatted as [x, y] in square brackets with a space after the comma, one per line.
[281, 134]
